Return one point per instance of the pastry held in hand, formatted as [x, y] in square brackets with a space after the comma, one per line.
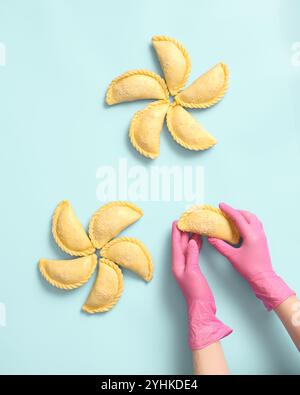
[209, 221]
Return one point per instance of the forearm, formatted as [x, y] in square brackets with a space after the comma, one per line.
[210, 360]
[289, 314]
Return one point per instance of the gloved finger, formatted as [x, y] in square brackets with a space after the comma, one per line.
[178, 261]
[176, 238]
[197, 239]
[192, 256]
[224, 248]
[176, 234]
[238, 219]
[251, 218]
[246, 215]
[184, 240]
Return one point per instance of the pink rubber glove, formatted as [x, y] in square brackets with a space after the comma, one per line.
[204, 327]
[252, 259]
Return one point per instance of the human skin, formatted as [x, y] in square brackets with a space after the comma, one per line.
[210, 361]
[289, 314]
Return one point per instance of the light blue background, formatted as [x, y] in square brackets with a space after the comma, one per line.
[56, 132]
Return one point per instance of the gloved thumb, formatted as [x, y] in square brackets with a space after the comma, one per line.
[192, 255]
[224, 248]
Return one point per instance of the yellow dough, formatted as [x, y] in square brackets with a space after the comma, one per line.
[68, 274]
[105, 224]
[131, 254]
[107, 288]
[174, 60]
[146, 127]
[209, 221]
[147, 124]
[187, 131]
[206, 90]
[136, 85]
[68, 232]
[110, 220]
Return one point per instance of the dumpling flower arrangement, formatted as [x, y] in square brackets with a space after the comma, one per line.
[126, 252]
[147, 124]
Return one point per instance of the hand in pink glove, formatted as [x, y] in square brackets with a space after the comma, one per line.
[204, 327]
[252, 259]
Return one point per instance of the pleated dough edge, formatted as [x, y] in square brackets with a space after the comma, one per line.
[116, 297]
[208, 207]
[102, 208]
[55, 217]
[186, 56]
[213, 101]
[134, 120]
[141, 245]
[66, 286]
[181, 142]
[109, 99]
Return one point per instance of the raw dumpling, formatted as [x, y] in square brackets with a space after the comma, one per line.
[131, 254]
[207, 90]
[68, 274]
[187, 131]
[146, 127]
[174, 60]
[110, 220]
[107, 288]
[209, 221]
[68, 232]
[136, 85]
